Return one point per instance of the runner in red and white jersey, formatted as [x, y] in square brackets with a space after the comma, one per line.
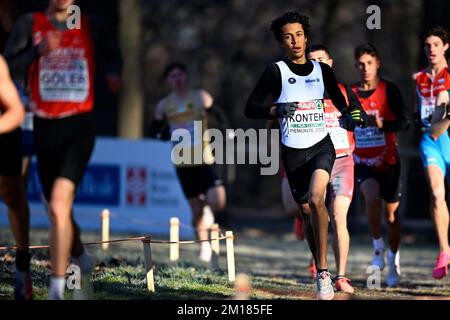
[58, 61]
[432, 88]
[377, 163]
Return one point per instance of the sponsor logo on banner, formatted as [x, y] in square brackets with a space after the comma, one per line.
[136, 186]
[100, 186]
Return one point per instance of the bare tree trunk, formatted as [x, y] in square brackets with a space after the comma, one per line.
[131, 103]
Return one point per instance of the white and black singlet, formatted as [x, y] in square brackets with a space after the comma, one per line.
[305, 144]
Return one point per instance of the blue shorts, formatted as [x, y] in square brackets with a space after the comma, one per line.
[435, 152]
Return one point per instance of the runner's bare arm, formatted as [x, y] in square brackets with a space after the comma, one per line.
[206, 99]
[14, 111]
[439, 121]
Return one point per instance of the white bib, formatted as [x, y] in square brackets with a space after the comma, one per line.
[369, 137]
[307, 127]
[63, 79]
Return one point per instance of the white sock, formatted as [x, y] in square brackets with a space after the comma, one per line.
[84, 261]
[205, 251]
[378, 243]
[205, 246]
[57, 287]
[208, 216]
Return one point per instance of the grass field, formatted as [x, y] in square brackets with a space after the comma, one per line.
[276, 263]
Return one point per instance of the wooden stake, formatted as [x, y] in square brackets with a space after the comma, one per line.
[148, 263]
[105, 228]
[230, 256]
[174, 237]
[215, 246]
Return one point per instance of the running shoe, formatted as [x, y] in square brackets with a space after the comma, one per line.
[343, 285]
[298, 229]
[23, 287]
[393, 277]
[86, 291]
[325, 290]
[441, 268]
[378, 258]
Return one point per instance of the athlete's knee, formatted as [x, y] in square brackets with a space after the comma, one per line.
[60, 208]
[216, 198]
[339, 220]
[316, 201]
[10, 196]
[392, 218]
[391, 215]
[305, 210]
[218, 204]
[437, 194]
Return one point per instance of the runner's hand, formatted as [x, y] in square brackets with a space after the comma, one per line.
[359, 116]
[50, 42]
[285, 110]
[346, 122]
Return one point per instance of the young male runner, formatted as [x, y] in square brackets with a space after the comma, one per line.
[60, 66]
[434, 81]
[12, 113]
[377, 162]
[181, 109]
[341, 186]
[296, 86]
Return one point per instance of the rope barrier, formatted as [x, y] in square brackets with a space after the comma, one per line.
[222, 237]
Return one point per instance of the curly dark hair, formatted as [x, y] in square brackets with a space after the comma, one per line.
[172, 66]
[366, 48]
[289, 17]
[437, 31]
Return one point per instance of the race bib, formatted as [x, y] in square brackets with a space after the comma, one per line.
[308, 119]
[62, 79]
[427, 110]
[339, 137]
[369, 138]
[306, 127]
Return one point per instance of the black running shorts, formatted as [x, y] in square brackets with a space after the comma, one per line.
[11, 154]
[197, 180]
[387, 178]
[299, 174]
[63, 148]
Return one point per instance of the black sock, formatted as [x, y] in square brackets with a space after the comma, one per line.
[23, 261]
[321, 270]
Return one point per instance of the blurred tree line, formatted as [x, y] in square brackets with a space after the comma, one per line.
[227, 44]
